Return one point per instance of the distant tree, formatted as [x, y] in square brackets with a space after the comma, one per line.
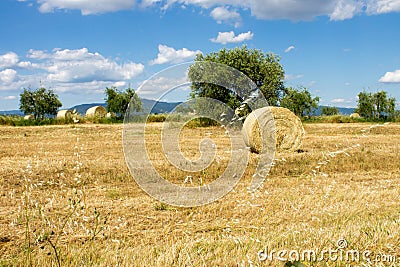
[375, 105]
[391, 107]
[329, 111]
[263, 69]
[381, 103]
[365, 105]
[300, 102]
[118, 101]
[39, 102]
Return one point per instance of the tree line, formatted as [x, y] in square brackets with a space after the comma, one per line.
[264, 70]
[43, 102]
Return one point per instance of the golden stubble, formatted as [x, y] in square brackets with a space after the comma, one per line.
[71, 184]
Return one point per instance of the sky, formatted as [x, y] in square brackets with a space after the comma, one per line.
[79, 47]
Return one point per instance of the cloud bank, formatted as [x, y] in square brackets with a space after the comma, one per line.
[65, 70]
[227, 11]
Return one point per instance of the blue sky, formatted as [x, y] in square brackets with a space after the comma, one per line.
[78, 47]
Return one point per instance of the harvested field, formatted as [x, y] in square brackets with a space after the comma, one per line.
[68, 199]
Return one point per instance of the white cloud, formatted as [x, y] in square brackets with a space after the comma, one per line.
[338, 100]
[289, 77]
[169, 55]
[68, 70]
[7, 76]
[119, 84]
[10, 97]
[27, 65]
[391, 77]
[8, 60]
[312, 83]
[383, 6]
[160, 85]
[38, 54]
[310, 9]
[290, 48]
[344, 102]
[86, 7]
[148, 3]
[82, 66]
[224, 15]
[92, 87]
[228, 10]
[77, 54]
[229, 37]
[346, 9]
[289, 9]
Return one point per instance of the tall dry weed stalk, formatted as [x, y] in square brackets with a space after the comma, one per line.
[49, 227]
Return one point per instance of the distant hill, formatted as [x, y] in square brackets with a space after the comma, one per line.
[160, 107]
[11, 112]
[342, 111]
[147, 104]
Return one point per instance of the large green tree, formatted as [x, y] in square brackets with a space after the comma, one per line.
[263, 69]
[118, 101]
[299, 101]
[39, 102]
[375, 105]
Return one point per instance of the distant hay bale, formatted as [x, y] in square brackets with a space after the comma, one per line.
[96, 111]
[289, 131]
[29, 117]
[355, 115]
[64, 114]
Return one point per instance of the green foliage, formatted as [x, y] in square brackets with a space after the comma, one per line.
[201, 122]
[264, 70]
[300, 102]
[156, 118]
[20, 121]
[376, 105]
[365, 105]
[194, 123]
[39, 102]
[329, 111]
[333, 119]
[117, 101]
[160, 206]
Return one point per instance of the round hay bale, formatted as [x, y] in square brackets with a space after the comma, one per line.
[64, 114]
[355, 115]
[29, 117]
[96, 111]
[289, 131]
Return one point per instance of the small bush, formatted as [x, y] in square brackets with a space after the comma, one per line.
[201, 122]
[20, 121]
[156, 118]
[332, 119]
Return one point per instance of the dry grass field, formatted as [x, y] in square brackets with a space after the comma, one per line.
[68, 199]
